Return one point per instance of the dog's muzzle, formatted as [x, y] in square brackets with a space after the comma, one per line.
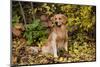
[56, 23]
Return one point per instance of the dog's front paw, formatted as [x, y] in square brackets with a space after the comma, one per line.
[55, 56]
[66, 49]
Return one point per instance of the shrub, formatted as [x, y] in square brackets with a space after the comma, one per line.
[35, 32]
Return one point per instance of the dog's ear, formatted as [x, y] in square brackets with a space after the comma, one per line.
[65, 19]
[52, 18]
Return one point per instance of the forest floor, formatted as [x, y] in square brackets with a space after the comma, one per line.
[21, 54]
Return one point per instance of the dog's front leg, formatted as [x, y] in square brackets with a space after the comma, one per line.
[54, 46]
[54, 49]
[66, 42]
[66, 46]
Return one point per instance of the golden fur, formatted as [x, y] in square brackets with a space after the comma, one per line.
[58, 39]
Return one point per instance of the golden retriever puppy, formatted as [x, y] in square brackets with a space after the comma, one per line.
[58, 39]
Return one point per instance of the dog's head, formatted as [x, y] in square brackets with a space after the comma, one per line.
[59, 19]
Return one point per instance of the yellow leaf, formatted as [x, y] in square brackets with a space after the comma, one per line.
[61, 59]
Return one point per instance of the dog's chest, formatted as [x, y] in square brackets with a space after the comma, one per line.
[60, 34]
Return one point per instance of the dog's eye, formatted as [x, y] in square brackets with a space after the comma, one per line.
[55, 18]
[59, 18]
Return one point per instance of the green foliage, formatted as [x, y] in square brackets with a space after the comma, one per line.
[80, 16]
[15, 19]
[35, 32]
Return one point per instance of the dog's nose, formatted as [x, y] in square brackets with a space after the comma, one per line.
[56, 23]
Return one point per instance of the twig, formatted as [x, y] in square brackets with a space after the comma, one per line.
[22, 11]
[32, 11]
